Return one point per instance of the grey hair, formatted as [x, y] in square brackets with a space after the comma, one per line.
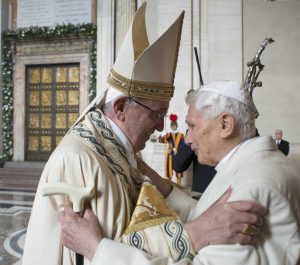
[211, 105]
[108, 105]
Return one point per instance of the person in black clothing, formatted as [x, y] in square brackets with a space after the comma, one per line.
[283, 146]
[202, 174]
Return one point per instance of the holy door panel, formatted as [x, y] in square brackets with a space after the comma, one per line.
[52, 106]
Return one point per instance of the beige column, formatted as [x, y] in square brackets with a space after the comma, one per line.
[196, 34]
[125, 10]
[105, 42]
[221, 39]
[113, 22]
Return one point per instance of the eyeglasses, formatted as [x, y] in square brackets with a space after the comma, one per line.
[155, 115]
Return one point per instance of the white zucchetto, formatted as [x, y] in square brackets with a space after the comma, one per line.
[231, 89]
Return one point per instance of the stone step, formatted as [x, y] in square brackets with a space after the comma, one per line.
[20, 172]
[21, 175]
[24, 164]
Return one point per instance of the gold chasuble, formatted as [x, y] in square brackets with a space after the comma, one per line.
[156, 229]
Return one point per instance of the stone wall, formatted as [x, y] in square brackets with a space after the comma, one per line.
[278, 101]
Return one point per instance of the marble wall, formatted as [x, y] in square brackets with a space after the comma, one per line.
[278, 101]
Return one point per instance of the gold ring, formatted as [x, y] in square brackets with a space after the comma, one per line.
[249, 230]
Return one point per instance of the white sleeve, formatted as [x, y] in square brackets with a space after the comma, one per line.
[278, 241]
[181, 203]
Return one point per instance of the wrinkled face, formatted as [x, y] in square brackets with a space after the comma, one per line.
[278, 135]
[141, 122]
[203, 136]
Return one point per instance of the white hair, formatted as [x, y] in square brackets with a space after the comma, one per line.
[211, 105]
[108, 106]
[112, 94]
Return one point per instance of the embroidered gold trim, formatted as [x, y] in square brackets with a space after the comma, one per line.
[141, 89]
[151, 209]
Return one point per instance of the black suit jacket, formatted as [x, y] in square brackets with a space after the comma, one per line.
[284, 147]
[202, 174]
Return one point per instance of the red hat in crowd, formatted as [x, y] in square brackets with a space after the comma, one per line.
[173, 119]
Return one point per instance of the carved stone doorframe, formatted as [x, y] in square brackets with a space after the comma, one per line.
[45, 53]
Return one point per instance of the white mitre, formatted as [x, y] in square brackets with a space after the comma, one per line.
[144, 68]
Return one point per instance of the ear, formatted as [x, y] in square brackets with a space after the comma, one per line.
[227, 124]
[119, 108]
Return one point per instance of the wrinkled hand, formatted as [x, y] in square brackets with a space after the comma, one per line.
[226, 223]
[80, 234]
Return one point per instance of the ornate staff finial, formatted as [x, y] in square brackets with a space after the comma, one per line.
[251, 78]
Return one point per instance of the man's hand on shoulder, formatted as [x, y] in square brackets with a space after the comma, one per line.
[227, 223]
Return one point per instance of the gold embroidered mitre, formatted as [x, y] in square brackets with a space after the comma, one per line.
[143, 69]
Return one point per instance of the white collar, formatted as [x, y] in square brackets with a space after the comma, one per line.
[124, 141]
[231, 153]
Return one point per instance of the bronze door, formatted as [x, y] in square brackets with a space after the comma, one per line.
[52, 106]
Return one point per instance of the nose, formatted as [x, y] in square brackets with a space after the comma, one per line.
[159, 126]
[188, 139]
